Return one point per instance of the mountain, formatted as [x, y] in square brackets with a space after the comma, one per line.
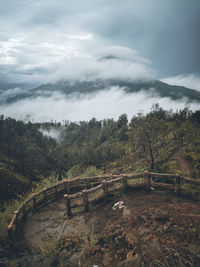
[10, 90]
[5, 86]
[155, 87]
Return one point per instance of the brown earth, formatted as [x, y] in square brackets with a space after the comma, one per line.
[182, 163]
[154, 229]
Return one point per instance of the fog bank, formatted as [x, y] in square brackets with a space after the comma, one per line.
[110, 103]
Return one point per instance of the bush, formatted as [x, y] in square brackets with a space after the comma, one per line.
[91, 171]
[75, 171]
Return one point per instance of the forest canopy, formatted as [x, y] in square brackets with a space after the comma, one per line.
[30, 152]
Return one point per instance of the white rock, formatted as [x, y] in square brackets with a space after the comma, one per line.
[118, 205]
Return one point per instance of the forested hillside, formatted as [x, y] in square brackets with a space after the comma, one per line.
[28, 153]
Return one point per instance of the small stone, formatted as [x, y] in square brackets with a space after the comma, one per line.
[104, 249]
[131, 238]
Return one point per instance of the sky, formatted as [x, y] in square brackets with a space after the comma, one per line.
[45, 41]
[41, 39]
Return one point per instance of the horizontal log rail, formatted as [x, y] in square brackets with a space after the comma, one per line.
[98, 187]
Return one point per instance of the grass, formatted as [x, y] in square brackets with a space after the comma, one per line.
[6, 214]
[175, 259]
[89, 242]
[50, 247]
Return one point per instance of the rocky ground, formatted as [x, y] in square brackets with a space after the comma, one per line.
[153, 229]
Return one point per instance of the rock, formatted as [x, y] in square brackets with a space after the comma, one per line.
[104, 249]
[166, 227]
[131, 239]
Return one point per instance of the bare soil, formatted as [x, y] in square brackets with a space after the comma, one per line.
[183, 164]
[154, 229]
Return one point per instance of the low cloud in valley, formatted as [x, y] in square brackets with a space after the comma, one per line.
[110, 103]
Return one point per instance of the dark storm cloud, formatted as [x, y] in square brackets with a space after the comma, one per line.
[167, 32]
[36, 35]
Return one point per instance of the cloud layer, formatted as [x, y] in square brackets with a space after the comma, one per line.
[44, 41]
[36, 37]
[105, 104]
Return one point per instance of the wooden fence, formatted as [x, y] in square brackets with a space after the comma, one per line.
[97, 188]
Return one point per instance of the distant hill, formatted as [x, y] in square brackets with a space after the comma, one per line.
[6, 86]
[86, 87]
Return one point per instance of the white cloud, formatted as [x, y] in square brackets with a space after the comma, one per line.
[71, 57]
[190, 81]
[53, 133]
[110, 103]
[89, 68]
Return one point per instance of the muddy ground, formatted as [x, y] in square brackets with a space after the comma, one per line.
[153, 229]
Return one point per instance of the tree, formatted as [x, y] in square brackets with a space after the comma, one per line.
[155, 139]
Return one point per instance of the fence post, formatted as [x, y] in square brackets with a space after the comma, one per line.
[178, 184]
[10, 232]
[55, 191]
[34, 202]
[174, 184]
[125, 184]
[99, 179]
[105, 188]
[16, 219]
[147, 181]
[85, 200]
[24, 211]
[87, 182]
[68, 205]
[65, 186]
[45, 195]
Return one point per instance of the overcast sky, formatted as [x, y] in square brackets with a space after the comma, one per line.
[39, 38]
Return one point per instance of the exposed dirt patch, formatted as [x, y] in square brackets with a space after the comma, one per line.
[182, 163]
[50, 221]
[153, 228]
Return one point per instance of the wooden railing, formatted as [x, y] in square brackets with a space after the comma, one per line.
[98, 188]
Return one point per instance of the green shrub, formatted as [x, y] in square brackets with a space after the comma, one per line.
[91, 171]
[75, 171]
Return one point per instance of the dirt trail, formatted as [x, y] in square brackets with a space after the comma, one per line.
[50, 221]
[182, 163]
[162, 221]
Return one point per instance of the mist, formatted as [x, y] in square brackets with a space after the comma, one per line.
[191, 81]
[53, 133]
[110, 103]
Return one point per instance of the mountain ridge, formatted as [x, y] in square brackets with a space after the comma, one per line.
[87, 87]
